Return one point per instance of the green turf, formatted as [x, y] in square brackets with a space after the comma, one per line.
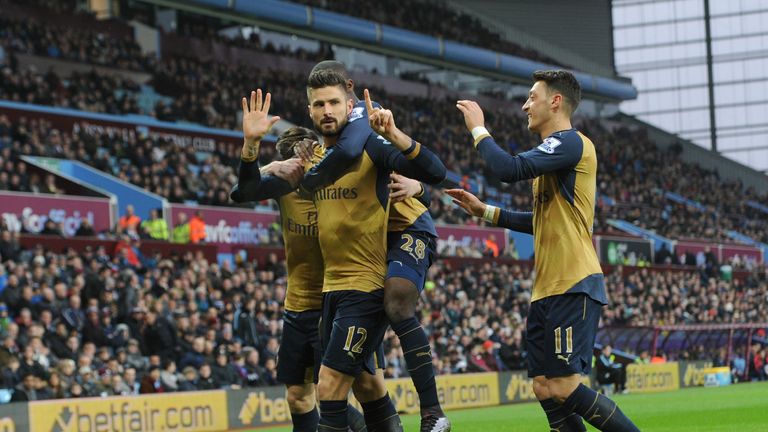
[742, 408]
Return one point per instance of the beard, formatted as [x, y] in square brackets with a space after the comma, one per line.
[326, 130]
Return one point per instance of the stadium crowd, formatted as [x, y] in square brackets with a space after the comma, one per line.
[634, 174]
[95, 323]
[433, 18]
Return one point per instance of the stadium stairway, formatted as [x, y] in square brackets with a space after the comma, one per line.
[125, 193]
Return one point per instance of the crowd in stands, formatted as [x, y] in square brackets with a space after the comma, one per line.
[75, 324]
[633, 173]
[434, 18]
[155, 164]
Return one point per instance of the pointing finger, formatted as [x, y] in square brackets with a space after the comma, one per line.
[368, 102]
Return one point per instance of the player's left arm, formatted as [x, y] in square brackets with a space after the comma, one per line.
[395, 150]
[552, 155]
[514, 220]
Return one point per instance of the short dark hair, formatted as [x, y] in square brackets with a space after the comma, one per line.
[331, 65]
[288, 139]
[563, 82]
[326, 78]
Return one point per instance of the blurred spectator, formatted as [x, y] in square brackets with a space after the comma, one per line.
[181, 232]
[609, 371]
[151, 383]
[197, 228]
[155, 227]
[85, 229]
[129, 222]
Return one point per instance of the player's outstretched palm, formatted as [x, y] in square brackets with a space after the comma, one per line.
[256, 121]
[381, 120]
[467, 201]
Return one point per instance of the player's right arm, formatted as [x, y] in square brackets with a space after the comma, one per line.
[256, 123]
[514, 220]
[552, 155]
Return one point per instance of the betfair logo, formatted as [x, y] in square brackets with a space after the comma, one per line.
[336, 193]
[520, 388]
[258, 408]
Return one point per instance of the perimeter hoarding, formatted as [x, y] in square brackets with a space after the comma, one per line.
[451, 238]
[655, 377]
[193, 411]
[227, 227]
[28, 212]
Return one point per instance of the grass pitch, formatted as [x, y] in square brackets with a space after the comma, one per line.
[738, 408]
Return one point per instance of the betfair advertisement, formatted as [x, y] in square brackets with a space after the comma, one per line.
[194, 411]
[14, 417]
[261, 406]
[454, 391]
[516, 387]
[692, 373]
[648, 378]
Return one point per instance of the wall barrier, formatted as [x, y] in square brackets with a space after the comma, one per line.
[221, 410]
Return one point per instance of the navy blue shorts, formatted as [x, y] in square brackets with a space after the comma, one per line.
[298, 358]
[353, 327]
[409, 255]
[561, 332]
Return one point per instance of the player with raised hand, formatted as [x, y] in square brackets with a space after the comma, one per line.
[411, 242]
[299, 352]
[352, 222]
[569, 290]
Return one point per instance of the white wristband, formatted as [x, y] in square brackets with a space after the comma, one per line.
[490, 212]
[479, 131]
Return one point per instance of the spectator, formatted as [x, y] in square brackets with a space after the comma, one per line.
[155, 227]
[181, 232]
[129, 222]
[189, 381]
[27, 390]
[160, 336]
[223, 373]
[254, 373]
[129, 379]
[197, 228]
[85, 229]
[608, 371]
[206, 380]
[169, 377]
[151, 382]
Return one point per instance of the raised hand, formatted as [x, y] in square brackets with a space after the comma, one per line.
[402, 187]
[470, 203]
[473, 114]
[381, 120]
[256, 122]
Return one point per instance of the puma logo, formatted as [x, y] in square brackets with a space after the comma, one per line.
[566, 359]
[594, 416]
[422, 354]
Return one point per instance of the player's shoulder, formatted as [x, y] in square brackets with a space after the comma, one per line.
[359, 110]
[564, 140]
